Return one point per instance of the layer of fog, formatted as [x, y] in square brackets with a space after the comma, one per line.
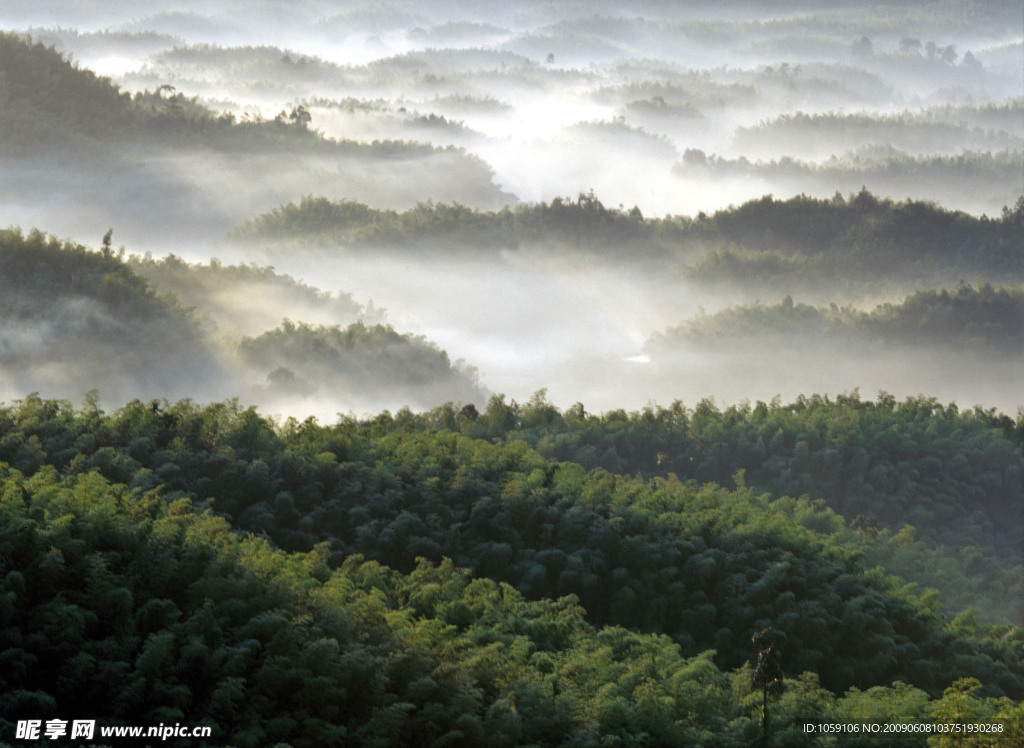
[556, 99]
[536, 319]
[527, 321]
[166, 199]
[599, 99]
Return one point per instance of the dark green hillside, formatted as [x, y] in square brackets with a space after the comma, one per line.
[49, 103]
[804, 244]
[584, 223]
[302, 359]
[885, 462]
[127, 607]
[39, 265]
[44, 100]
[705, 565]
[933, 492]
[65, 304]
[867, 228]
[979, 319]
[805, 239]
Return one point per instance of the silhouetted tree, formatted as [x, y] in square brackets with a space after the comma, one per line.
[862, 47]
[767, 676]
[910, 46]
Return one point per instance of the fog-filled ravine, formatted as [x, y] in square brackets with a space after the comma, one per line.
[471, 307]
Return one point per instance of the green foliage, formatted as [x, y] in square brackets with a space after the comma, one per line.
[48, 103]
[63, 302]
[858, 244]
[864, 232]
[981, 318]
[882, 465]
[584, 223]
[38, 265]
[44, 100]
[894, 462]
[372, 360]
[701, 564]
[121, 604]
[766, 240]
[123, 607]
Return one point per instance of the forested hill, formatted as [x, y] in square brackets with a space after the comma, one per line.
[979, 319]
[702, 564]
[49, 103]
[222, 292]
[886, 462]
[374, 361]
[63, 302]
[130, 607]
[803, 237]
[46, 102]
[50, 108]
[64, 130]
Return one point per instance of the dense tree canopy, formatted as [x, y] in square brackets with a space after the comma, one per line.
[124, 596]
[980, 319]
[800, 239]
[375, 360]
[64, 302]
[700, 563]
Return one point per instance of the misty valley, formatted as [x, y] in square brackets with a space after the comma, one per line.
[535, 373]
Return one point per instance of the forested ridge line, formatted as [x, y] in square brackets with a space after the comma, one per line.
[800, 243]
[897, 471]
[799, 225]
[127, 606]
[700, 563]
[63, 301]
[48, 104]
[980, 127]
[375, 359]
[886, 461]
[981, 318]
